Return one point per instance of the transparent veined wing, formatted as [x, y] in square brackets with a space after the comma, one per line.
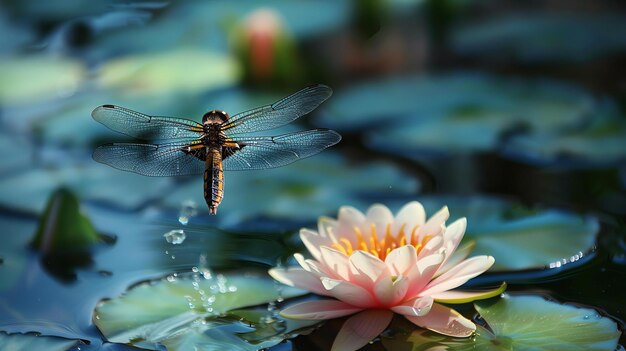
[141, 126]
[276, 151]
[279, 113]
[157, 160]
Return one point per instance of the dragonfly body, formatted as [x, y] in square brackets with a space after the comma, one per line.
[178, 146]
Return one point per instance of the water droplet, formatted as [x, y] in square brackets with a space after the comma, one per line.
[194, 269]
[188, 209]
[176, 236]
[173, 257]
[171, 278]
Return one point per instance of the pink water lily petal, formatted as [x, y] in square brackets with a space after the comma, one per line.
[401, 260]
[381, 217]
[366, 268]
[348, 292]
[390, 291]
[326, 227]
[313, 241]
[452, 237]
[348, 219]
[460, 254]
[421, 274]
[299, 278]
[410, 216]
[433, 224]
[416, 307]
[360, 329]
[459, 274]
[434, 245]
[444, 320]
[319, 310]
[335, 261]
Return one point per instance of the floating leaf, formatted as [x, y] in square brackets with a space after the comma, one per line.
[603, 142]
[541, 37]
[522, 323]
[520, 237]
[177, 71]
[186, 311]
[29, 78]
[29, 190]
[453, 112]
[18, 342]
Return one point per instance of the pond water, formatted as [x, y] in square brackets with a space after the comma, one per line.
[489, 108]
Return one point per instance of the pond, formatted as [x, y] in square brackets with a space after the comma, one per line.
[476, 200]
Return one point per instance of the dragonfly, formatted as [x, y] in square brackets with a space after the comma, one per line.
[172, 146]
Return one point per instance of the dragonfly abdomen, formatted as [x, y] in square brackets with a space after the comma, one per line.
[213, 179]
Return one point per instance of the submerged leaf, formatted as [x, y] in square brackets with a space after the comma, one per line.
[63, 227]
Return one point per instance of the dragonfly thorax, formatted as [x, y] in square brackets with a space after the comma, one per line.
[215, 116]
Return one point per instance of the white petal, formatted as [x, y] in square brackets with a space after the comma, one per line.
[433, 224]
[360, 329]
[460, 254]
[335, 261]
[415, 307]
[319, 310]
[368, 265]
[410, 216]
[326, 226]
[313, 241]
[444, 320]
[348, 219]
[459, 274]
[420, 276]
[299, 278]
[389, 291]
[452, 237]
[400, 260]
[380, 216]
[434, 245]
[348, 292]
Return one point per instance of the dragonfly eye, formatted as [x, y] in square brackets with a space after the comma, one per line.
[215, 116]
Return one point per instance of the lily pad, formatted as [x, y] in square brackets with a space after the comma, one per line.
[455, 111]
[301, 191]
[520, 237]
[16, 342]
[175, 71]
[188, 310]
[542, 37]
[56, 77]
[29, 190]
[523, 323]
[601, 143]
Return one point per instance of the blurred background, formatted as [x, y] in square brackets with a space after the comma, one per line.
[510, 111]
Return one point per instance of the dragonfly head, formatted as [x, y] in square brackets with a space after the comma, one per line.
[215, 116]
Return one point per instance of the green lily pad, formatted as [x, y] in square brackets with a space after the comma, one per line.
[188, 310]
[301, 191]
[175, 71]
[29, 190]
[601, 143]
[537, 37]
[523, 323]
[455, 111]
[56, 77]
[520, 237]
[17, 342]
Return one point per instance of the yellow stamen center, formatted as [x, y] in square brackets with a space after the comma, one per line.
[381, 247]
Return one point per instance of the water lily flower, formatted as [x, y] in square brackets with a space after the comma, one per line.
[375, 264]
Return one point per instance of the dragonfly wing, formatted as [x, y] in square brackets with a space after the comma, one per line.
[279, 113]
[182, 158]
[276, 151]
[141, 126]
